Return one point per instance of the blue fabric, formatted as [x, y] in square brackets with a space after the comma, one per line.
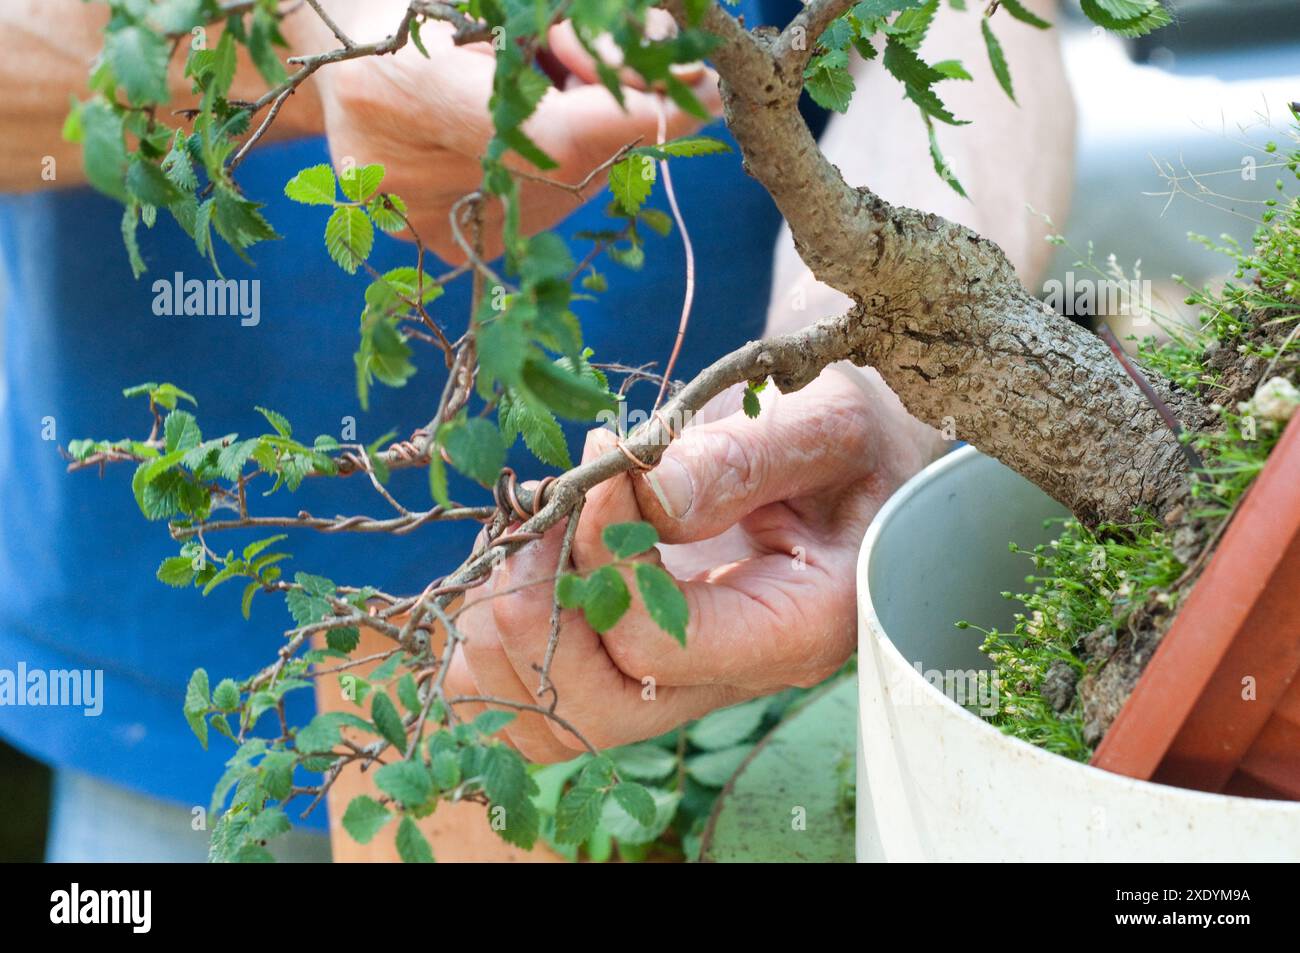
[76, 558]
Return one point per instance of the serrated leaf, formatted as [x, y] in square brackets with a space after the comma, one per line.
[490, 722]
[407, 781]
[176, 571]
[569, 395]
[359, 183]
[138, 58]
[312, 186]
[197, 704]
[631, 180]
[663, 600]
[364, 818]
[830, 88]
[1018, 11]
[637, 801]
[604, 598]
[629, 539]
[181, 431]
[577, 814]
[750, 403]
[276, 420]
[349, 237]
[475, 448]
[226, 695]
[386, 718]
[412, 847]
[997, 59]
[1153, 18]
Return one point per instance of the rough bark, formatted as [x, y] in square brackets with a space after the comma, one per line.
[943, 317]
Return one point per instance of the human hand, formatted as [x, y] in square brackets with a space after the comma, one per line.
[763, 519]
[427, 120]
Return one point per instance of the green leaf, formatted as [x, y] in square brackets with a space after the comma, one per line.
[359, 183]
[686, 146]
[445, 767]
[637, 801]
[830, 88]
[407, 781]
[1017, 10]
[631, 180]
[569, 395]
[629, 539]
[312, 186]
[868, 9]
[386, 718]
[475, 448]
[197, 704]
[364, 818]
[103, 149]
[917, 78]
[438, 479]
[323, 732]
[233, 457]
[149, 184]
[490, 722]
[997, 59]
[138, 58]
[715, 768]
[605, 598]
[628, 831]
[181, 431]
[226, 695]
[276, 420]
[246, 601]
[408, 693]
[570, 590]
[644, 761]
[750, 403]
[578, 814]
[176, 571]
[388, 211]
[941, 166]
[411, 845]
[349, 236]
[541, 431]
[1145, 15]
[728, 726]
[663, 600]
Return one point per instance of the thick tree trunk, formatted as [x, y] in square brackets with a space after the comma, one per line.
[942, 316]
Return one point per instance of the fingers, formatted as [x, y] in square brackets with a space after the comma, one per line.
[483, 658]
[718, 473]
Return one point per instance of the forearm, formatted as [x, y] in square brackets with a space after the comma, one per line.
[1008, 158]
[51, 47]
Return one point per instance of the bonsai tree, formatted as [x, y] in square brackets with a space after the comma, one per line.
[937, 310]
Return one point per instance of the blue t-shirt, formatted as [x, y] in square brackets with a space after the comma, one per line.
[77, 558]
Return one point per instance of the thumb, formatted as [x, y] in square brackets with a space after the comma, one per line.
[718, 473]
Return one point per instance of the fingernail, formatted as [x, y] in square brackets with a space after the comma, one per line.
[672, 487]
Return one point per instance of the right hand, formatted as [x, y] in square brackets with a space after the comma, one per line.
[427, 120]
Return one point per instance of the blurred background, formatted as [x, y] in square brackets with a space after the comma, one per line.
[1199, 98]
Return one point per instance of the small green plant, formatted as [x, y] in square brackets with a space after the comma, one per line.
[1088, 583]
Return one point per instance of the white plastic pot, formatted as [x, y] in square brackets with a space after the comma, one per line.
[935, 781]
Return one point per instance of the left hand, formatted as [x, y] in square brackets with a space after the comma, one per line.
[762, 519]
